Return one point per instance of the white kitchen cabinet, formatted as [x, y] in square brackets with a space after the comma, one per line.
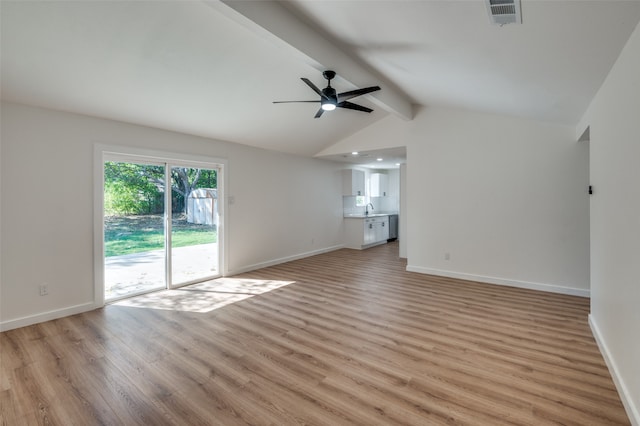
[393, 183]
[361, 233]
[352, 182]
[379, 185]
[381, 228]
[369, 232]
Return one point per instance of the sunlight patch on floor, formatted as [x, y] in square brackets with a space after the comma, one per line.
[204, 297]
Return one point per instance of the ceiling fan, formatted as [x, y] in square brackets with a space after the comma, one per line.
[330, 100]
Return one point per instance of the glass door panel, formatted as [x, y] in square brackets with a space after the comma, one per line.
[134, 231]
[194, 224]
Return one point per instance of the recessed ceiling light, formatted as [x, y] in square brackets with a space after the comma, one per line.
[397, 164]
[379, 159]
[354, 153]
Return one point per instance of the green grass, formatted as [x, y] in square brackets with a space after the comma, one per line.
[136, 234]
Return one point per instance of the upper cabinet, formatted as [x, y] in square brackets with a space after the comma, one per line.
[379, 184]
[352, 182]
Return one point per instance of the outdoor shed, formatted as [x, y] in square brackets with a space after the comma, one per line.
[202, 206]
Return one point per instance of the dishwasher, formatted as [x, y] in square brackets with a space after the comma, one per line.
[393, 227]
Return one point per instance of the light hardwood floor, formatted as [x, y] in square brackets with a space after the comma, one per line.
[354, 339]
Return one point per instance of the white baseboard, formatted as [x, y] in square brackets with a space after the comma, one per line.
[46, 316]
[633, 411]
[501, 281]
[282, 260]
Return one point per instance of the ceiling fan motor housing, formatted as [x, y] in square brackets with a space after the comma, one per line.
[330, 93]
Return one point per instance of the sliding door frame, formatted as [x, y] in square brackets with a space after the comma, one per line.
[104, 153]
[169, 220]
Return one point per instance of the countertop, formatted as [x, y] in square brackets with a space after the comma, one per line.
[363, 216]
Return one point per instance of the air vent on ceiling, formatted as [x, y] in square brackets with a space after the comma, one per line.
[503, 12]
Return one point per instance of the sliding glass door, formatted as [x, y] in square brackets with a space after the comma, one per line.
[161, 223]
[134, 231]
[194, 224]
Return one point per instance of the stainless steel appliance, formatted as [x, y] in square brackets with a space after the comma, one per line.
[393, 227]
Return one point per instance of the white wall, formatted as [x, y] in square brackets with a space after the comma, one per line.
[613, 119]
[386, 133]
[505, 197]
[282, 204]
[1, 238]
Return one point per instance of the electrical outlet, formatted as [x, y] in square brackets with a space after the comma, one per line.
[44, 289]
[447, 256]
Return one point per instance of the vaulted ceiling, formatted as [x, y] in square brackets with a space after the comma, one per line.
[212, 68]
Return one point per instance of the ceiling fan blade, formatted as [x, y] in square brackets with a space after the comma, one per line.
[314, 87]
[319, 113]
[350, 105]
[358, 92]
[289, 102]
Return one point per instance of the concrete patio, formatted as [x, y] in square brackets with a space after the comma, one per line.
[140, 272]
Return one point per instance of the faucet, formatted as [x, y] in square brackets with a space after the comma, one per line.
[366, 209]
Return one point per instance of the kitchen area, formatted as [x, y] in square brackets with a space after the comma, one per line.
[371, 201]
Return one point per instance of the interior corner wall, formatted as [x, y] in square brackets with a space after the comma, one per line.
[613, 123]
[285, 206]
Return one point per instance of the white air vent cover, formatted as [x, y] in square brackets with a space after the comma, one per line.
[504, 11]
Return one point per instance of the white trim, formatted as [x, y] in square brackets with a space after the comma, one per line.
[633, 411]
[283, 260]
[98, 225]
[46, 316]
[168, 216]
[154, 155]
[551, 288]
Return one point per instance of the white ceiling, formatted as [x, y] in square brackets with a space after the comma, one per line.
[447, 53]
[212, 68]
[181, 66]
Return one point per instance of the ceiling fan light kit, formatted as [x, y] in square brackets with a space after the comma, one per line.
[330, 100]
[328, 106]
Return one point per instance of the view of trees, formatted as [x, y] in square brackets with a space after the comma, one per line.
[133, 189]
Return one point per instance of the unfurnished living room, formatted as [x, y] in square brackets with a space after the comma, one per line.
[366, 212]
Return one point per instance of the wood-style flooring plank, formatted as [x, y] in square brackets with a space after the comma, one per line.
[354, 339]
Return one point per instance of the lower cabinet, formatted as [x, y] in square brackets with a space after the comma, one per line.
[362, 233]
